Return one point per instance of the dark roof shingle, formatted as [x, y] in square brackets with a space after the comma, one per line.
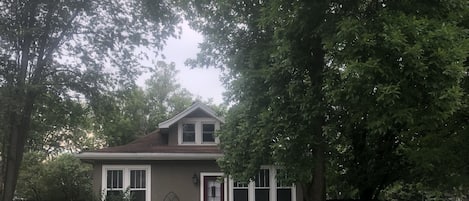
[156, 143]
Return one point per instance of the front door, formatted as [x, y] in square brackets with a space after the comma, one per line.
[213, 188]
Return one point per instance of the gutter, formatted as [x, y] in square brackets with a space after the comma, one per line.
[147, 156]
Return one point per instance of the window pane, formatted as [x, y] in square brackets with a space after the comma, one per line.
[120, 178]
[114, 195]
[262, 185]
[137, 195]
[282, 178]
[284, 194]
[114, 179]
[209, 127]
[262, 178]
[137, 179]
[262, 195]
[240, 194]
[188, 132]
[207, 132]
[240, 184]
[109, 179]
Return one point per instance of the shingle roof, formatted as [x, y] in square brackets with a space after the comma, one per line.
[156, 143]
[154, 146]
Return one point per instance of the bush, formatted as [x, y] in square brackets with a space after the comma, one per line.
[64, 178]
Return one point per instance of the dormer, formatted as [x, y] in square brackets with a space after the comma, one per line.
[195, 125]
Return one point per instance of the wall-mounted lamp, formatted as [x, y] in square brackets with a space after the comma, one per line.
[195, 179]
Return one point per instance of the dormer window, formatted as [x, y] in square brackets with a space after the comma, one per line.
[208, 131]
[188, 133]
[197, 131]
[195, 125]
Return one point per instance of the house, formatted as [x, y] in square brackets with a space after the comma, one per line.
[178, 162]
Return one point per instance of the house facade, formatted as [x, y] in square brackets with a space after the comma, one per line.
[177, 162]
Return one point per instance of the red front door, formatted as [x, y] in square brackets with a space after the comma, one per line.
[213, 188]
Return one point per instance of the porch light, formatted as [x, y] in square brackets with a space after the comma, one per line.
[195, 179]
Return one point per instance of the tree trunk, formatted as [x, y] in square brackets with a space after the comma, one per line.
[19, 127]
[318, 184]
[20, 106]
[319, 176]
[316, 189]
[367, 194]
[12, 163]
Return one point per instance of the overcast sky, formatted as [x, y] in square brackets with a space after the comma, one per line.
[200, 82]
[203, 82]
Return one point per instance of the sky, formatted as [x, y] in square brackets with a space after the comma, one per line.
[204, 82]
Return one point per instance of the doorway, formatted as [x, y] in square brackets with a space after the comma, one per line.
[213, 188]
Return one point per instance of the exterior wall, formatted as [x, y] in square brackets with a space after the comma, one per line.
[167, 176]
[97, 176]
[173, 135]
[176, 177]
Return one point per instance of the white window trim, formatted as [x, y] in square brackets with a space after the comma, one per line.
[272, 189]
[198, 130]
[216, 174]
[126, 178]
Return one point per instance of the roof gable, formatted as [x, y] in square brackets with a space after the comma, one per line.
[200, 107]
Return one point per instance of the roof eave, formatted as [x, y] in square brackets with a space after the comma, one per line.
[147, 156]
[176, 118]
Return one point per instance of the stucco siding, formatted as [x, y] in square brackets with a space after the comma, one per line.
[171, 176]
[176, 177]
[166, 177]
[173, 135]
[97, 175]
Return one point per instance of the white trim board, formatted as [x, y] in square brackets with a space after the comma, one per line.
[126, 177]
[217, 174]
[148, 156]
[193, 107]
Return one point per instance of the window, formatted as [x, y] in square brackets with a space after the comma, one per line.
[265, 187]
[114, 184]
[208, 131]
[137, 185]
[240, 191]
[188, 133]
[132, 181]
[262, 189]
[284, 190]
[197, 131]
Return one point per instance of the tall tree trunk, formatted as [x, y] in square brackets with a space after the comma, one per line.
[367, 194]
[316, 189]
[319, 176]
[21, 103]
[316, 66]
[20, 123]
[12, 161]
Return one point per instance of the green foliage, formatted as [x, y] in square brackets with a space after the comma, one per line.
[57, 56]
[136, 111]
[273, 81]
[63, 178]
[409, 192]
[376, 86]
[396, 81]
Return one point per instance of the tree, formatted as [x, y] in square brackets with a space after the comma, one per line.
[363, 79]
[62, 48]
[275, 83]
[135, 111]
[399, 81]
[63, 178]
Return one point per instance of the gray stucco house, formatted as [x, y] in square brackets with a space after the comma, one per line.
[178, 162]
